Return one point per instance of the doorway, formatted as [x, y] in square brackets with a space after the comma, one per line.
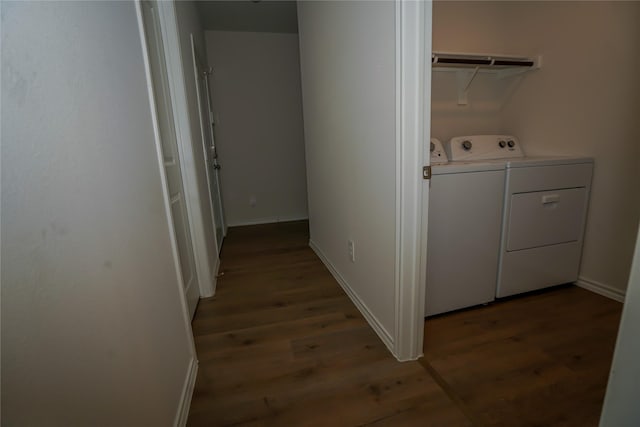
[256, 104]
[536, 113]
[168, 146]
[207, 125]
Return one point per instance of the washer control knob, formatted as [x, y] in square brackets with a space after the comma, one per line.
[502, 144]
[511, 143]
[433, 147]
[466, 145]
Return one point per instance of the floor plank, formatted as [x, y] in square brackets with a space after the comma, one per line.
[282, 345]
[538, 360]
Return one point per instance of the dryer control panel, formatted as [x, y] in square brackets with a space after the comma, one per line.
[438, 154]
[483, 147]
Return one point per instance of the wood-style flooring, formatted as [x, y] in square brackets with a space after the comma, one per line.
[536, 360]
[280, 344]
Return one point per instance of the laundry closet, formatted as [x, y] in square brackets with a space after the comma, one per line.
[580, 98]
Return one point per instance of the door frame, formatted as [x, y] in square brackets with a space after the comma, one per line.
[153, 31]
[413, 127]
[163, 176]
[197, 62]
[206, 263]
[182, 411]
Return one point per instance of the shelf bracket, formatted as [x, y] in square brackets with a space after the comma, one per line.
[463, 84]
[467, 66]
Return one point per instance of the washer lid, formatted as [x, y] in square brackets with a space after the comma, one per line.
[467, 167]
[547, 161]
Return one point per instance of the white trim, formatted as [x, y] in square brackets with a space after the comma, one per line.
[268, 220]
[184, 404]
[187, 393]
[164, 184]
[204, 128]
[601, 289]
[375, 324]
[412, 124]
[180, 106]
[223, 219]
[216, 272]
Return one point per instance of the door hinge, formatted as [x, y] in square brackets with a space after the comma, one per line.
[426, 172]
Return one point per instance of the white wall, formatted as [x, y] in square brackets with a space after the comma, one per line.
[585, 101]
[466, 27]
[204, 236]
[255, 89]
[347, 55]
[257, 16]
[93, 330]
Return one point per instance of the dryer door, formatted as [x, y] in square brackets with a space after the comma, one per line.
[544, 218]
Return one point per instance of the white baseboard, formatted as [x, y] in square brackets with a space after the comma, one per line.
[362, 307]
[187, 393]
[209, 290]
[216, 272]
[268, 220]
[601, 289]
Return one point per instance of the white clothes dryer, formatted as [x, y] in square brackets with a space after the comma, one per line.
[544, 217]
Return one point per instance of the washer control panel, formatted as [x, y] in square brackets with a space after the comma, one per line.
[483, 147]
[438, 154]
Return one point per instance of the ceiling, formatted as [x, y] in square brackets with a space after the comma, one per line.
[270, 16]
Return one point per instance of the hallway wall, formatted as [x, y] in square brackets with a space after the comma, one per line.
[93, 328]
[348, 58]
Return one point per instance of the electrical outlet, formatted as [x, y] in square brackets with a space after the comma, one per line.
[252, 201]
[352, 250]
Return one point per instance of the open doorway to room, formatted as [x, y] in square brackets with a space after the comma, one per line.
[202, 72]
[256, 103]
[544, 358]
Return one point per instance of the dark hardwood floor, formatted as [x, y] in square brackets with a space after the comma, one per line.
[282, 345]
[537, 360]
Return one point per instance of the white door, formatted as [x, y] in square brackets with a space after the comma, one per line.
[170, 154]
[211, 155]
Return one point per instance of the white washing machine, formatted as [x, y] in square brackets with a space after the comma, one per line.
[465, 213]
